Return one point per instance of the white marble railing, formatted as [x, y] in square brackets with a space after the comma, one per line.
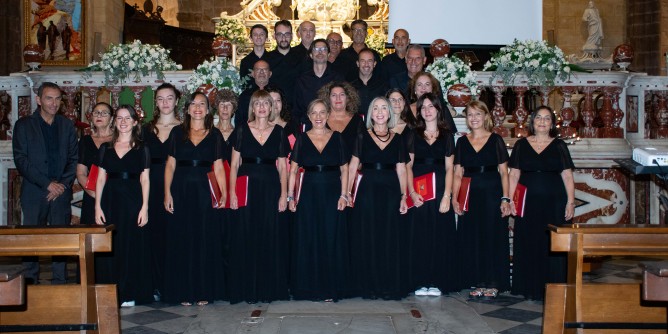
[631, 107]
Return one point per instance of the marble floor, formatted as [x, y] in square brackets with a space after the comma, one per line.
[452, 313]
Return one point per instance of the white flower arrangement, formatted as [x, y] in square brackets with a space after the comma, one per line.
[540, 63]
[137, 59]
[232, 29]
[376, 41]
[450, 71]
[218, 72]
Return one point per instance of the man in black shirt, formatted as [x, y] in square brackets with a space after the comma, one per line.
[260, 75]
[286, 64]
[259, 36]
[396, 62]
[310, 82]
[338, 64]
[368, 85]
[306, 32]
[359, 31]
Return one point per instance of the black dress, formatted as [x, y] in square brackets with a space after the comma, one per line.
[194, 266]
[319, 240]
[482, 233]
[157, 214]
[89, 154]
[259, 244]
[533, 263]
[349, 134]
[377, 231]
[432, 236]
[121, 202]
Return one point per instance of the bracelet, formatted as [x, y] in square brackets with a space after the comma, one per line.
[571, 203]
[290, 198]
[505, 199]
[411, 193]
[448, 196]
[345, 198]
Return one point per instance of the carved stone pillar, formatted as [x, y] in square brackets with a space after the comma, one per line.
[588, 113]
[545, 94]
[567, 114]
[92, 100]
[607, 114]
[70, 96]
[520, 113]
[660, 116]
[619, 114]
[115, 91]
[137, 90]
[498, 113]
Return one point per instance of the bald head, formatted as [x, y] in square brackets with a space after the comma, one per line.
[261, 73]
[306, 32]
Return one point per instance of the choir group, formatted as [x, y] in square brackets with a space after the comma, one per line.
[339, 177]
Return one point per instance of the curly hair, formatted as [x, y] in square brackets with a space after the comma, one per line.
[352, 98]
[226, 95]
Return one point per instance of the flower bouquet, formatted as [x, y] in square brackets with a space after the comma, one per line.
[450, 71]
[540, 63]
[233, 30]
[136, 59]
[376, 41]
[220, 73]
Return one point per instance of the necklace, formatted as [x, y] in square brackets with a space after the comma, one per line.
[387, 135]
[262, 133]
[539, 144]
[431, 134]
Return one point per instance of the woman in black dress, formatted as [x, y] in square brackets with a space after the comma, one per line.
[483, 229]
[89, 152]
[155, 135]
[378, 227]
[402, 112]
[343, 116]
[282, 115]
[319, 239]
[259, 250]
[226, 106]
[432, 232]
[542, 163]
[122, 199]
[194, 270]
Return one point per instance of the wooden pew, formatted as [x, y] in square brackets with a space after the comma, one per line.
[86, 307]
[578, 307]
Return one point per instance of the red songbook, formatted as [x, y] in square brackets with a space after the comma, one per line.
[519, 199]
[241, 189]
[214, 188]
[463, 196]
[292, 140]
[425, 186]
[298, 183]
[356, 183]
[91, 184]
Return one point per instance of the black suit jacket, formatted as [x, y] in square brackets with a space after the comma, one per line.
[30, 156]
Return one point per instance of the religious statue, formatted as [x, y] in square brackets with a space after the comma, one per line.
[592, 47]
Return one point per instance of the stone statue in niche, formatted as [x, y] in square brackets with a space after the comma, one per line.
[592, 47]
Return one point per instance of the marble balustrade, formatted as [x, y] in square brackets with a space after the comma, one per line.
[615, 111]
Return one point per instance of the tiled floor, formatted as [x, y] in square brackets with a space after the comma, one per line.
[454, 313]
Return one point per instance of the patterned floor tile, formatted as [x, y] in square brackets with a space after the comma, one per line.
[523, 329]
[514, 314]
[150, 317]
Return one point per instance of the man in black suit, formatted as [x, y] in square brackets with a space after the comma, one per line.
[286, 63]
[45, 153]
[368, 85]
[260, 79]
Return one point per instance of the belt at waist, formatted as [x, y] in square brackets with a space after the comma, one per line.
[378, 166]
[481, 169]
[194, 163]
[321, 168]
[539, 171]
[123, 175]
[158, 161]
[258, 161]
[428, 161]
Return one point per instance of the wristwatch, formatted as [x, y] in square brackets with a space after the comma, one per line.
[290, 198]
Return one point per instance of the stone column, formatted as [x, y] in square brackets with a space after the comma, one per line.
[520, 113]
[588, 113]
[498, 113]
[567, 113]
[660, 116]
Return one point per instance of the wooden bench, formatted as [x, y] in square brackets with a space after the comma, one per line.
[655, 281]
[611, 308]
[12, 286]
[85, 307]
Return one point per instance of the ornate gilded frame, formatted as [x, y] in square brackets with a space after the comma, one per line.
[61, 12]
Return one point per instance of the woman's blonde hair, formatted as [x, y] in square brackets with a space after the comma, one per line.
[488, 123]
[261, 95]
[391, 122]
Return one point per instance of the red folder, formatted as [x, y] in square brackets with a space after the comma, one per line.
[358, 179]
[214, 189]
[298, 183]
[92, 177]
[425, 186]
[519, 199]
[241, 189]
[463, 196]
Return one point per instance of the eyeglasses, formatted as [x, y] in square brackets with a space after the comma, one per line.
[283, 35]
[320, 49]
[99, 113]
[397, 100]
[359, 30]
[546, 118]
[334, 42]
